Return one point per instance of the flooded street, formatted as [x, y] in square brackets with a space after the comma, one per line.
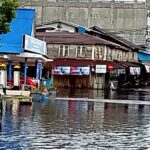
[70, 124]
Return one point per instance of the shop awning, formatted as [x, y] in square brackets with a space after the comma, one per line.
[33, 56]
[134, 68]
[127, 64]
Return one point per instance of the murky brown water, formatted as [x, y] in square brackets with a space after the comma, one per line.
[60, 124]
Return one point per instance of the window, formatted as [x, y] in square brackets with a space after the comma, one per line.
[113, 54]
[81, 51]
[124, 56]
[66, 51]
[63, 51]
[120, 55]
[78, 51]
[99, 53]
[109, 54]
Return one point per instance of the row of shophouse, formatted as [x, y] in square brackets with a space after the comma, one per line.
[91, 58]
[72, 55]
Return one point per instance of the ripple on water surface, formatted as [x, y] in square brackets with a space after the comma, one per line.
[59, 124]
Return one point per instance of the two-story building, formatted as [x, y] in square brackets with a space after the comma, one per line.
[89, 58]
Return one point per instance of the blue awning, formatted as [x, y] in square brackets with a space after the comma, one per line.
[12, 42]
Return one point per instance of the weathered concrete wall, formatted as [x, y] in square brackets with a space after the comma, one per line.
[128, 20]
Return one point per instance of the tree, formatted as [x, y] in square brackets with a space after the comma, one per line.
[7, 13]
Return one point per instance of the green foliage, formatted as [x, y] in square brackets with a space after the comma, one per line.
[7, 13]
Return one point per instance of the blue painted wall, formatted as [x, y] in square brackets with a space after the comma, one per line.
[12, 42]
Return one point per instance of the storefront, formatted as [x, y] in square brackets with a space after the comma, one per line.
[71, 76]
[19, 47]
[144, 57]
[79, 73]
[130, 74]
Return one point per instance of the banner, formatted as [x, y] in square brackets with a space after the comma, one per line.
[80, 70]
[61, 70]
[135, 70]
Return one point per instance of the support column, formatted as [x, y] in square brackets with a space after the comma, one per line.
[43, 16]
[38, 70]
[89, 13]
[10, 70]
[38, 65]
[25, 71]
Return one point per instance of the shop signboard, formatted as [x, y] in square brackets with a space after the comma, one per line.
[110, 67]
[34, 45]
[135, 70]
[117, 72]
[147, 67]
[61, 70]
[121, 71]
[101, 69]
[80, 70]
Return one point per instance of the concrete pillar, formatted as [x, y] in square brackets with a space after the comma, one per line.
[9, 70]
[147, 1]
[66, 11]
[112, 18]
[43, 16]
[89, 13]
[25, 71]
[135, 1]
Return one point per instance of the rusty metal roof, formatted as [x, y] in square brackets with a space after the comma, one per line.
[106, 34]
[69, 38]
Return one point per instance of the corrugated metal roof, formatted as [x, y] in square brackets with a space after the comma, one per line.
[47, 24]
[22, 24]
[113, 37]
[74, 39]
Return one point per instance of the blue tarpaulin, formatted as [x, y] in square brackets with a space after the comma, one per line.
[144, 56]
[12, 42]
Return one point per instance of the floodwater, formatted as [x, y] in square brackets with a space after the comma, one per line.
[80, 125]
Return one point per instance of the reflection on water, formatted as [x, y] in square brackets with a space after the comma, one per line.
[59, 124]
[104, 94]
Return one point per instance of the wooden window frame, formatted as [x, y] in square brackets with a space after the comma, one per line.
[80, 49]
[63, 49]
